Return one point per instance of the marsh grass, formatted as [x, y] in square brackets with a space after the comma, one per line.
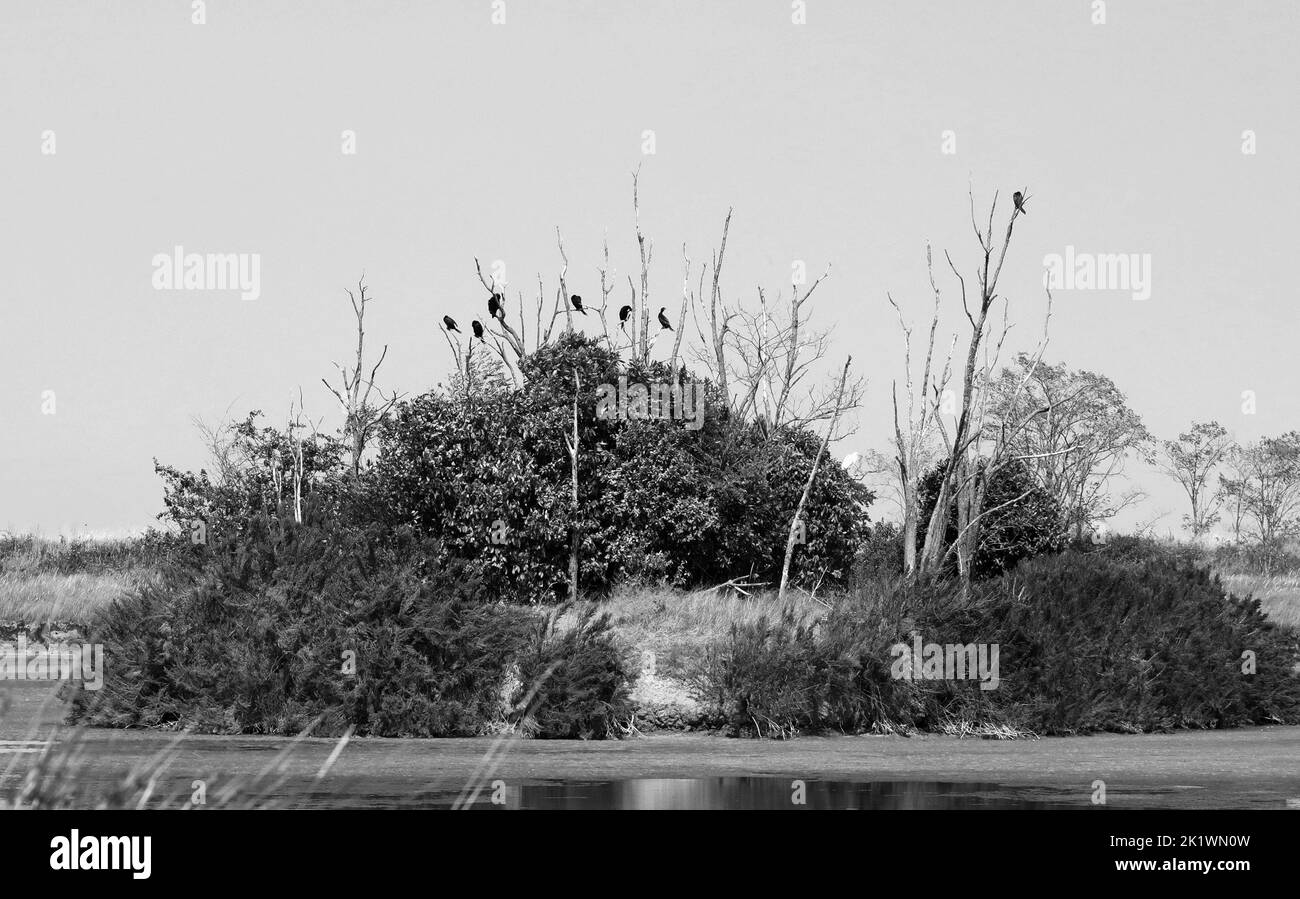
[677, 627]
[60, 580]
[1278, 594]
[44, 596]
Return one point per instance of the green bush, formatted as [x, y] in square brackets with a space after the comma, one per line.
[283, 625]
[1086, 643]
[1091, 642]
[488, 474]
[881, 554]
[573, 682]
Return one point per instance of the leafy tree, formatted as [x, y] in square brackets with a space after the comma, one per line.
[1266, 486]
[1024, 520]
[1191, 460]
[489, 475]
[252, 479]
[1079, 442]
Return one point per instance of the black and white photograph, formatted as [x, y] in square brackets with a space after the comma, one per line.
[573, 407]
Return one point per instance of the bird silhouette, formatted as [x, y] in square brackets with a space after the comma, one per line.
[623, 314]
[451, 324]
[478, 328]
[1019, 199]
[494, 306]
[577, 303]
[663, 319]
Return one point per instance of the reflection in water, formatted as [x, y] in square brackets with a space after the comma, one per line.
[766, 793]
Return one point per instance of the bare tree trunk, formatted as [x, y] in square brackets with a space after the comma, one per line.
[933, 554]
[575, 539]
[647, 252]
[812, 475]
[910, 515]
[718, 332]
[965, 530]
[361, 418]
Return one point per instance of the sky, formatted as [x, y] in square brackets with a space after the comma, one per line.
[476, 139]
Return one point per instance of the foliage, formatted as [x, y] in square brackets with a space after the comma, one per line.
[1190, 460]
[1115, 639]
[258, 637]
[1032, 524]
[1079, 444]
[881, 553]
[573, 682]
[253, 477]
[488, 474]
[1095, 642]
[1264, 489]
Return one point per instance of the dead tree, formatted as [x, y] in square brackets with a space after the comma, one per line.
[361, 418]
[646, 250]
[571, 443]
[913, 449]
[812, 475]
[715, 359]
[963, 478]
[776, 351]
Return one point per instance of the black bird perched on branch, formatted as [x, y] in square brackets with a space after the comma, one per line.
[577, 303]
[478, 329]
[451, 324]
[494, 307]
[623, 314]
[1019, 199]
[663, 319]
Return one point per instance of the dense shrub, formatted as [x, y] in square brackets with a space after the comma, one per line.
[1092, 642]
[573, 681]
[881, 554]
[258, 639]
[253, 479]
[765, 673]
[1087, 642]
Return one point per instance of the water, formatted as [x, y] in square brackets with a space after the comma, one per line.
[760, 793]
[1244, 768]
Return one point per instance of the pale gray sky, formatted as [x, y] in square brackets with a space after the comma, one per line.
[476, 139]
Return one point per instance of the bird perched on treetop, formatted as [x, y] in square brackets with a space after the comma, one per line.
[623, 314]
[1019, 199]
[577, 303]
[478, 329]
[663, 319]
[494, 306]
[451, 324]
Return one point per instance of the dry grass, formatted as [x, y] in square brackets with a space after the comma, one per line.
[1279, 594]
[677, 626]
[42, 596]
[58, 580]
